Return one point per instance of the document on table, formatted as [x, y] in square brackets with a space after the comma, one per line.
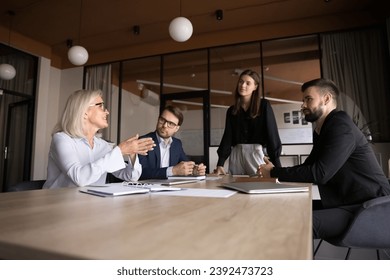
[125, 188]
[216, 193]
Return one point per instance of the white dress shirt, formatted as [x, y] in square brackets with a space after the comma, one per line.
[164, 153]
[72, 162]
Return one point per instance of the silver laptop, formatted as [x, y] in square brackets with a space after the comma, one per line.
[264, 187]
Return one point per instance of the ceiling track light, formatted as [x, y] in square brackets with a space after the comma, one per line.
[69, 43]
[136, 29]
[219, 14]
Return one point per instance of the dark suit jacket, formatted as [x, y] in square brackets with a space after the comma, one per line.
[151, 168]
[342, 164]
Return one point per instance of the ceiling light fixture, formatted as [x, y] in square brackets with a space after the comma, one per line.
[77, 55]
[180, 28]
[219, 14]
[145, 82]
[136, 29]
[7, 71]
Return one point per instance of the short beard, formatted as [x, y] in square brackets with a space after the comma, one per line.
[314, 116]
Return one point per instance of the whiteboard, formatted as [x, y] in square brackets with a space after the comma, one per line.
[296, 135]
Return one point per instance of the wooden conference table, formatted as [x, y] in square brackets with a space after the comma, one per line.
[68, 224]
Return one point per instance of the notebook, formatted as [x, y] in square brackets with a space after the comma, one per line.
[115, 189]
[264, 187]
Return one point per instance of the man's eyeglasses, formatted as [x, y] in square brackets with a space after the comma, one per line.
[100, 104]
[163, 121]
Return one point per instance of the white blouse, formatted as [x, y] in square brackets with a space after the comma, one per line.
[72, 162]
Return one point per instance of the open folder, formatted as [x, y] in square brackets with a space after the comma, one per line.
[125, 188]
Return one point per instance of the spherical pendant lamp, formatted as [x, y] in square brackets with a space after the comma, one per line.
[180, 29]
[7, 71]
[78, 55]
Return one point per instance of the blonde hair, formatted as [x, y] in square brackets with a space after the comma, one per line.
[77, 104]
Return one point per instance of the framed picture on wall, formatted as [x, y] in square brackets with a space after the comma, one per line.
[287, 117]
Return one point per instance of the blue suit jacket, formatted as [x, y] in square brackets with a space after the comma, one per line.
[151, 168]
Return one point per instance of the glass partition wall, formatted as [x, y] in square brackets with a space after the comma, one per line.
[185, 85]
[287, 64]
[202, 84]
[140, 96]
[226, 64]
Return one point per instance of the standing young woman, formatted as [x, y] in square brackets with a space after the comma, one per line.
[250, 130]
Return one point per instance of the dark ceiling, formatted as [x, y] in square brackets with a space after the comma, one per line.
[102, 26]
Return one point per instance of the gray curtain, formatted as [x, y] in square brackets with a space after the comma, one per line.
[99, 77]
[357, 62]
[388, 33]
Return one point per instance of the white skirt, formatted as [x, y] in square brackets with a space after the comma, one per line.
[245, 159]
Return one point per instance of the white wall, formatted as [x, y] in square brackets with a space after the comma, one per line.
[54, 87]
[292, 127]
[43, 117]
[71, 80]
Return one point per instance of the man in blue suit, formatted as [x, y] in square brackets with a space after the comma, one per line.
[168, 157]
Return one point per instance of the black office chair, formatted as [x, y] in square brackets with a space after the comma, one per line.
[369, 229]
[26, 186]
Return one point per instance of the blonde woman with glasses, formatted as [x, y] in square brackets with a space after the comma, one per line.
[77, 157]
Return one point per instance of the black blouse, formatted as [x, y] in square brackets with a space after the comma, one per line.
[242, 129]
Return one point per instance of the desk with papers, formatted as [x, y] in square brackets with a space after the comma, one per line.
[68, 224]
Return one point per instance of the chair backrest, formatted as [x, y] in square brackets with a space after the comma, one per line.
[370, 227]
[27, 185]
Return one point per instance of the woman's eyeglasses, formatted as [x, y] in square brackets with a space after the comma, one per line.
[163, 121]
[100, 104]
